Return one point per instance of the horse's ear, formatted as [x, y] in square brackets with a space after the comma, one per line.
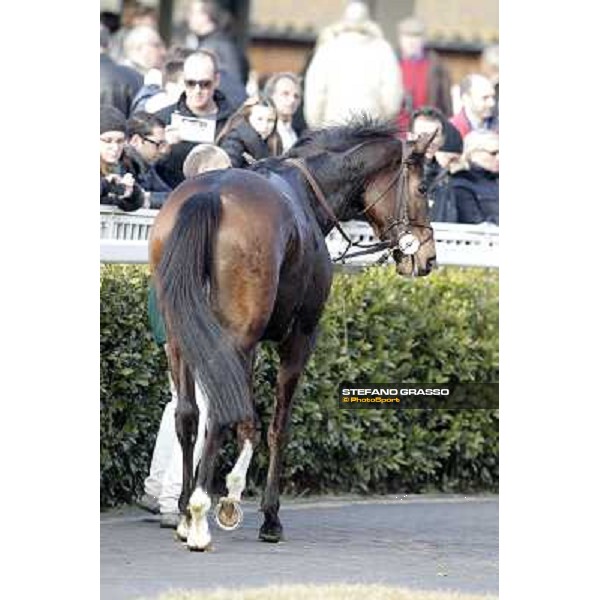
[422, 142]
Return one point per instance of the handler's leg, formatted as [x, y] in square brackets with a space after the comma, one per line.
[166, 443]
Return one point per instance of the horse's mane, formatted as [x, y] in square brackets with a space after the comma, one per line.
[339, 138]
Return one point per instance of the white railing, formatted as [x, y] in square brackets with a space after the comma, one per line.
[123, 239]
[118, 225]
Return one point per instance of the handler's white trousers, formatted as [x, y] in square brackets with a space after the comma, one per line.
[166, 469]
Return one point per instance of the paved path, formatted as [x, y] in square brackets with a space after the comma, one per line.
[425, 542]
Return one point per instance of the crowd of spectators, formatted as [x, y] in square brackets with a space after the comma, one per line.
[171, 113]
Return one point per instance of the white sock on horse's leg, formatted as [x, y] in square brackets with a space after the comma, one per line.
[202, 403]
[198, 534]
[236, 480]
[183, 528]
[228, 514]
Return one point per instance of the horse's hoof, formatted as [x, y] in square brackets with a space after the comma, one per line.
[198, 535]
[228, 514]
[272, 535]
[207, 548]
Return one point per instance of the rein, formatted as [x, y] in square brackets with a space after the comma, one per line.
[299, 164]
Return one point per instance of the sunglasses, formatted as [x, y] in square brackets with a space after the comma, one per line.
[159, 145]
[204, 84]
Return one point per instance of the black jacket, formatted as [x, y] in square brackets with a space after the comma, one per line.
[170, 168]
[243, 139]
[477, 195]
[431, 170]
[118, 84]
[443, 199]
[146, 176]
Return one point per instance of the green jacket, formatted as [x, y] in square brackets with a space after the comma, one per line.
[156, 321]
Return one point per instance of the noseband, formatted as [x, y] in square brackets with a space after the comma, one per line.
[406, 242]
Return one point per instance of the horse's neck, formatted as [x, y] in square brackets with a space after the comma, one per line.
[336, 192]
[336, 201]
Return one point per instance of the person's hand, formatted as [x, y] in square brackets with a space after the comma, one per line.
[172, 135]
[128, 181]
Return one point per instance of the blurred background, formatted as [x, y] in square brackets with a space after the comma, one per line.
[279, 35]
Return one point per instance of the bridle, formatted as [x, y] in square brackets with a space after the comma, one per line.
[406, 242]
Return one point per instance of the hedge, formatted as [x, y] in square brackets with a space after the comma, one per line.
[377, 327]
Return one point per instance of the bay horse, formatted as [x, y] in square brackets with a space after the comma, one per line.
[239, 257]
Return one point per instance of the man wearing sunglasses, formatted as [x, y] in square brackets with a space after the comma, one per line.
[197, 117]
[146, 144]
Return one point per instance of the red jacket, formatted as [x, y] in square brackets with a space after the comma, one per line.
[437, 90]
[461, 122]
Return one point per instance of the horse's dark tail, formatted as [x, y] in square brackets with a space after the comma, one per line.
[183, 280]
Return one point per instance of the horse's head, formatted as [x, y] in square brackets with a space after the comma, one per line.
[396, 207]
[363, 168]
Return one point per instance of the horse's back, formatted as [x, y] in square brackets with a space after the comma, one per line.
[248, 201]
[266, 251]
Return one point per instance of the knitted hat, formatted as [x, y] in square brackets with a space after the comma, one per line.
[452, 139]
[112, 119]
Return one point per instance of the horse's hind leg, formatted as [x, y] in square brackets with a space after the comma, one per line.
[294, 353]
[198, 534]
[186, 426]
[228, 512]
[199, 537]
